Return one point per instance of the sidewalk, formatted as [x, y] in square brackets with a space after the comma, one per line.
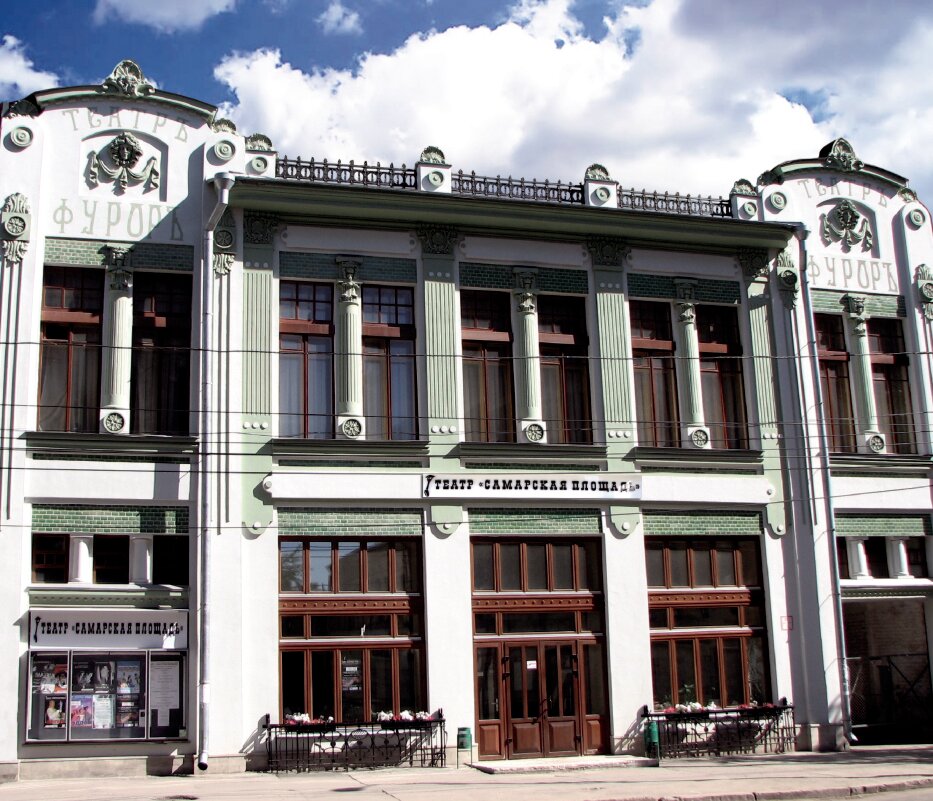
[764, 778]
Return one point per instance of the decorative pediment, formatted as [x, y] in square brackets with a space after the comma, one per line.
[432, 155]
[258, 141]
[22, 108]
[128, 79]
[223, 125]
[597, 172]
[744, 188]
[840, 155]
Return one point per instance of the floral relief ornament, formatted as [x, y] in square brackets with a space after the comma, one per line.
[924, 282]
[128, 79]
[14, 221]
[124, 151]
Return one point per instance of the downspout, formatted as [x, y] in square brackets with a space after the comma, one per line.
[830, 507]
[222, 183]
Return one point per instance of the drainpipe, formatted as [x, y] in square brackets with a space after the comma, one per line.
[830, 507]
[222, 184]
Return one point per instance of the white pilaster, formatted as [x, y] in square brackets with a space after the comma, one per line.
[858, 561]
[141, 558]
[81, 559]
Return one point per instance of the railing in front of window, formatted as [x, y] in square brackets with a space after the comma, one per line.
[335, 746]
[767, 729]
[473, 185]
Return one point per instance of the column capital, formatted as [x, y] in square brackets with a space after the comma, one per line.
[753, 261]
[349, 286]
[119, 266]
[526, 289]
[438, 240]
[855, 306]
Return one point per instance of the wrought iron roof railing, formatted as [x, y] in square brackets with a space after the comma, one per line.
[473, 185]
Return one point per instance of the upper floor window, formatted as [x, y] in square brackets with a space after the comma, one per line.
[721, 375]
[891, 382]
[655, 373]
[487, 366]
[161, 353]
[69, 371]
[389, 389]
[565, 380]
[306, 360]
[834, 382]
[528, 566]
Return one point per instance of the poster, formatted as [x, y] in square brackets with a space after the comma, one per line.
[127, 711]
[103, 676]
[49, 675]
[103, 711]
[55, 713]
[82, 711]
[163, 691]
[128, 676]
[82, 676]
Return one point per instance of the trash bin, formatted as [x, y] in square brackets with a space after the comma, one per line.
[464, 739]
[652, 740]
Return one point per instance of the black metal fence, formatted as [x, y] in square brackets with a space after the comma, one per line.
[503, 188]
[342, 746]
[718, 732]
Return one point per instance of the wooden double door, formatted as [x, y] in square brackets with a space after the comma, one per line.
[530, 700]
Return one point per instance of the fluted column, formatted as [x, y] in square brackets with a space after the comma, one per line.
[528, 357]
[117, 343]
[693, 419]
[870, 437]
[141, 558]
[349, 353]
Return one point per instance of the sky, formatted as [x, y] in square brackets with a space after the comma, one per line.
[670, 95]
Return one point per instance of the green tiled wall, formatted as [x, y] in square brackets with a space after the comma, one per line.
[145, 255]
[323, 267]
[688, 523]
[70, 518]
[474, 275]
[524, 521]
[708, 290]
[883, 525]
[829, 301]
[370, 522]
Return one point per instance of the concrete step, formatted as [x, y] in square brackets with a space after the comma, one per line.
[558, 764]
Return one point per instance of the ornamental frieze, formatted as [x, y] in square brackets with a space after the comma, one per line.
[14, 228]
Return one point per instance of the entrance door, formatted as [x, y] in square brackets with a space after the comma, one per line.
[542, 688]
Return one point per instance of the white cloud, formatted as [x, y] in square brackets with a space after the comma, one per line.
[166, 16]
[337, 18]
[672, 96]
[18, 77]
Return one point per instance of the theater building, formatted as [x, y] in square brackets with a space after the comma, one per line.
[294, 437]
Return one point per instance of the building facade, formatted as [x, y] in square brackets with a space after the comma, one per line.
[297, 438]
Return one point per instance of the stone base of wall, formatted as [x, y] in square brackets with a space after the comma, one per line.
[822, 737]
[30, 769]
[229, 763]
[9, 771]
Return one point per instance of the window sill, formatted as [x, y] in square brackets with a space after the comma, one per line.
[287, 449]
[140, 596]
[892, 464]
[657, 459]
[573, 454]
[67, 443]
[885, 588]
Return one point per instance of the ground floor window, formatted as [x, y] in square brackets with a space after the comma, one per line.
[706, 614]
[352, 684]
[106, 695]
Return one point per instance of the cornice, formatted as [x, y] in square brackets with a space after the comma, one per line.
[351, 206]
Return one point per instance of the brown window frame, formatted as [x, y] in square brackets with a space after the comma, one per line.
[72, 307]
[564, 351]
[489, 337]
[576, 565]
[653, 359]
[721, 356]
[833, 359]
[890, 366]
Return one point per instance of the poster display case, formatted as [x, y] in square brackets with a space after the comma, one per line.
[101, 693]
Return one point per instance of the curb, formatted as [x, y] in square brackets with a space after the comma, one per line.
[846, 791]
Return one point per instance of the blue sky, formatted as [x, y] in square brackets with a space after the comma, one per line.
[675, 95]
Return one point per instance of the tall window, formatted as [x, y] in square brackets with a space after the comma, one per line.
[306, 360]
[161, 353]
[69, 371]
[487, 366]
[834, 381]
[655, 375]
[565, 390]
[889, 369]
[721, 375]
[706, 614]
[351, 630]
[389, 391]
